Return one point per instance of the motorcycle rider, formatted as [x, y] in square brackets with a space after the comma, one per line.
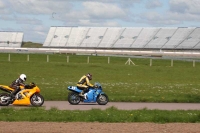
[84, 83]
[16, 85]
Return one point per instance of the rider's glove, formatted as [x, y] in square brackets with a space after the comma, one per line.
[26, 86]
[95, 86]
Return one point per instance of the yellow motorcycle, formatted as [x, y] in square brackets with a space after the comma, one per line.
[28, 95]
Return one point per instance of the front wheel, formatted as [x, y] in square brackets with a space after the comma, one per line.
[37, 100]
[74, 98]
[4, 99]
[102, 99]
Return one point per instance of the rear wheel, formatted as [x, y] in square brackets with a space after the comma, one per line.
[74, 98]
[102, 99]
[4, 99]
[37, 100]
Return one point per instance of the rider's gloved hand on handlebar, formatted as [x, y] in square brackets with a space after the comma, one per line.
[26, 86]
[95, 86]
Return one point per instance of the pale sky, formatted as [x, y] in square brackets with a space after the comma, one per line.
[35, 17]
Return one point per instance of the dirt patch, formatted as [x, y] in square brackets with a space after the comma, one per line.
[96, 127]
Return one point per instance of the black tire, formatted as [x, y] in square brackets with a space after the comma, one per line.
[5, 102]
[102, 99]
[37, 100]
[74, 98]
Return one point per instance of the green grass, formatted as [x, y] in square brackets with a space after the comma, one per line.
[31, 45]
[141, 83]
[110, 115]
[128, 83]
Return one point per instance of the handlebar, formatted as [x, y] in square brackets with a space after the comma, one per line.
[30, 86]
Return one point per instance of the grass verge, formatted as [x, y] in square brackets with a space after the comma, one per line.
[111, 115]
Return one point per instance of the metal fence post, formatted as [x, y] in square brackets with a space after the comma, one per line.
[172, 62]
[47, 58]
[88, 59]
[67, 59]
[193, 63]
[28, 57]
[150, 62]
[8, 57]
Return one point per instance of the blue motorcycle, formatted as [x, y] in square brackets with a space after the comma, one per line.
[93, 95]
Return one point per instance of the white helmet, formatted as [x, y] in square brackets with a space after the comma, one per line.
[22, 77]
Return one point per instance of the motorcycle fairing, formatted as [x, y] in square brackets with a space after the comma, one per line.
[92, 95]
[75, 89]
[6, 88]
[25, 100]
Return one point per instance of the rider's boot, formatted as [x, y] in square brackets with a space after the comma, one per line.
[82, 93]
[85, 97]
[12, 95]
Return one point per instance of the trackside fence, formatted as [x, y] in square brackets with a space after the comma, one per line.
[91, 59]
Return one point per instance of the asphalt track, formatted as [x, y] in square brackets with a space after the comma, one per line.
[64, 105]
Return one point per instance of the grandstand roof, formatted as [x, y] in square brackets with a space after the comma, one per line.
[11, 39]
[124, 37]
